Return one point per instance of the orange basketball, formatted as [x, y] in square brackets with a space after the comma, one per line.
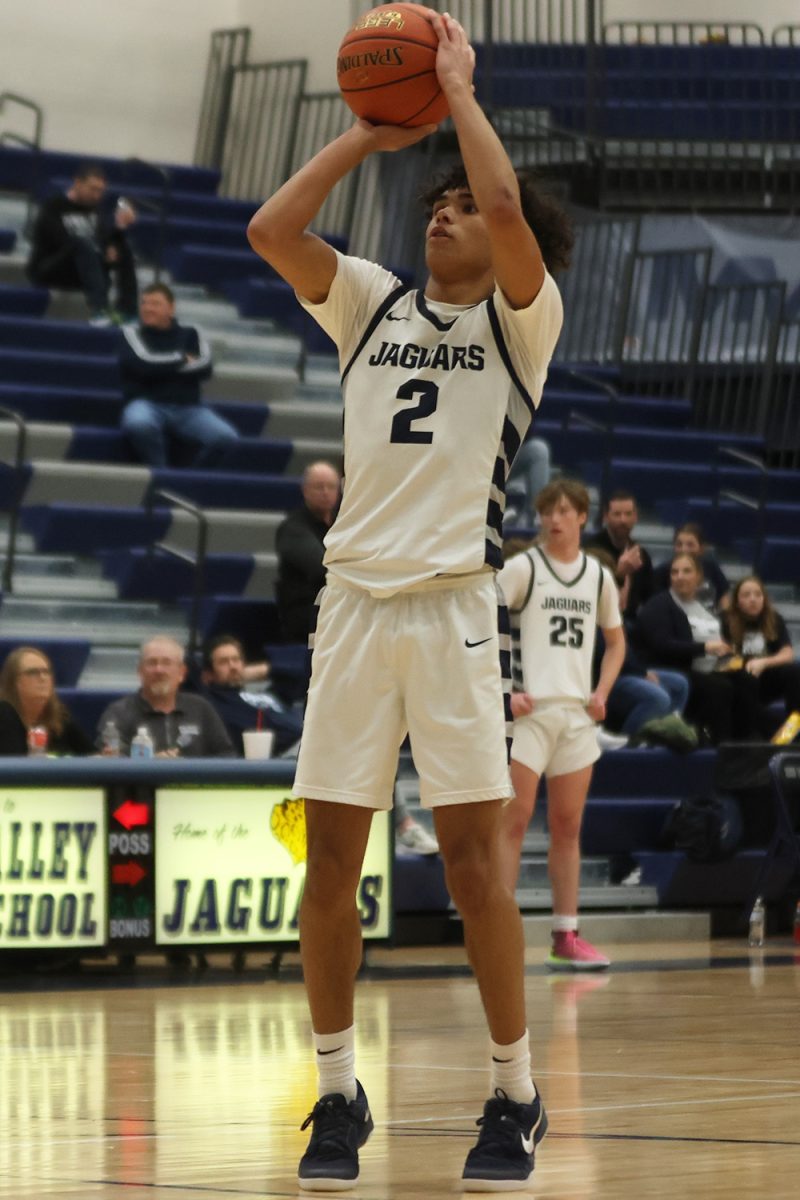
[386, 67]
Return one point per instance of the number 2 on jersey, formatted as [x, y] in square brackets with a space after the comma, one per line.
[428, 394]
[558, 632]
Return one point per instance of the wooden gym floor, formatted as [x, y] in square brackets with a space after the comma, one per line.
[677, 1075]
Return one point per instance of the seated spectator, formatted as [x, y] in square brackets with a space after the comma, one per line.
[530, 472]
[162, 365]
[28, 699]
[758, 633]
[633, 565]
[77, 245]
[225, 676]
[673, 629]
[638, 696]
[180, 724]
[300, 544]
[715, 590]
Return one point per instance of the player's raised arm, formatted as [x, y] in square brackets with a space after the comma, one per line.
[518, 265]
[279, 230]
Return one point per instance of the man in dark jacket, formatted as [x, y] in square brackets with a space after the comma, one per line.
[162, 365]
[77, 245]
[633, 565]
[225, 678]
[299, 543]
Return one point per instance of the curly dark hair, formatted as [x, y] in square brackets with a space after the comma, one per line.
[550, 224]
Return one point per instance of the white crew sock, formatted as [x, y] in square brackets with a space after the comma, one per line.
[511, 1070]
[336, 1063]
[562, 924]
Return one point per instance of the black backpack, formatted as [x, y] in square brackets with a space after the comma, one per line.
[706, 828]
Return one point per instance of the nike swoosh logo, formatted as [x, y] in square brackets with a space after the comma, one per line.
[467, 642]
[322, 1053]
[527, 1143]
[392, 317]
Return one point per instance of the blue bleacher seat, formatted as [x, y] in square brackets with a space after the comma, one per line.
[74, 529]
[72, 406]
[224, 489]
[23, 170]
[254, 622]
[23, 301]
[68, 655]
[161, 576]
[87, 706]
[57, 337]
[59, 370]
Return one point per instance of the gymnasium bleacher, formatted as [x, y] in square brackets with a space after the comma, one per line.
[96, 571]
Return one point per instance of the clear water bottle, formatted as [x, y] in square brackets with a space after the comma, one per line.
[757, 923]
[111, 741]
[142, 744]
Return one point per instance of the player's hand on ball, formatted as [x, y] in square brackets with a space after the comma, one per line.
[455, 58]
[394, 137]
[521, 704]
[596, 707]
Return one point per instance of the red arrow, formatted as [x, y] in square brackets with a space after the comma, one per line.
[130, 873]
[130, 814]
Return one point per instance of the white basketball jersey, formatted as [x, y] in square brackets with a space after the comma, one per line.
[437, 399]
[558, 624]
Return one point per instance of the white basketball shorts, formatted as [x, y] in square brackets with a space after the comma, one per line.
[426, 663]
[555, 739]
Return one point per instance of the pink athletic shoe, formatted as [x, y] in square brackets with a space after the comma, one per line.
[572, 953]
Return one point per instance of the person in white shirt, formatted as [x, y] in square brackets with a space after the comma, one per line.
[440, 385]
[560, 597]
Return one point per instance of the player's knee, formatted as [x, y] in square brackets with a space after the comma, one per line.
[468, 880]
[564, 827]
[330, 883]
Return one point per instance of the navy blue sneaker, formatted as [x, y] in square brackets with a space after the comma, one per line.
[502, 1158]
[338, 1129]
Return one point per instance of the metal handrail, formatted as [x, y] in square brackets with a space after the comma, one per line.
[13, 512]
[24, 102]
[758, 505]
[198, 560]
[162, 209]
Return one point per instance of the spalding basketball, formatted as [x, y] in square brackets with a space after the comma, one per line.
[386, 67]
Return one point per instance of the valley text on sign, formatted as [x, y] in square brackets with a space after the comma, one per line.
[230, 866]
[52, 867]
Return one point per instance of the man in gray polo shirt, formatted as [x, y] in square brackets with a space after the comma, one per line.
[180, 724]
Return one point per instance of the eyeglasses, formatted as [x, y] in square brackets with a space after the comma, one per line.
[37, 672]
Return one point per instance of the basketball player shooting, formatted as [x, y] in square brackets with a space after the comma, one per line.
[439, 389]
[561, 597]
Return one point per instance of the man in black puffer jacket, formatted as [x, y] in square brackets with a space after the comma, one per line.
[162, 364]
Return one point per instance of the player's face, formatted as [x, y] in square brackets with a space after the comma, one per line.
[684, 578]
[620, 519]
[227, 666]
[456, 239]
[750, 599]
[562, 524]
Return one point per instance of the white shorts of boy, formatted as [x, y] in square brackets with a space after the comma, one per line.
[426, 663]
[557, 738]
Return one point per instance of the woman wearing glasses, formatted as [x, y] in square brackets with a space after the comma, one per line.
[28, 701]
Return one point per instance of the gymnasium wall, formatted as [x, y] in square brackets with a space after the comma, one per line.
[126, 76]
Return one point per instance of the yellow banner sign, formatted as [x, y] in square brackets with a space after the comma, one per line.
[230, 867]
[52, 868]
